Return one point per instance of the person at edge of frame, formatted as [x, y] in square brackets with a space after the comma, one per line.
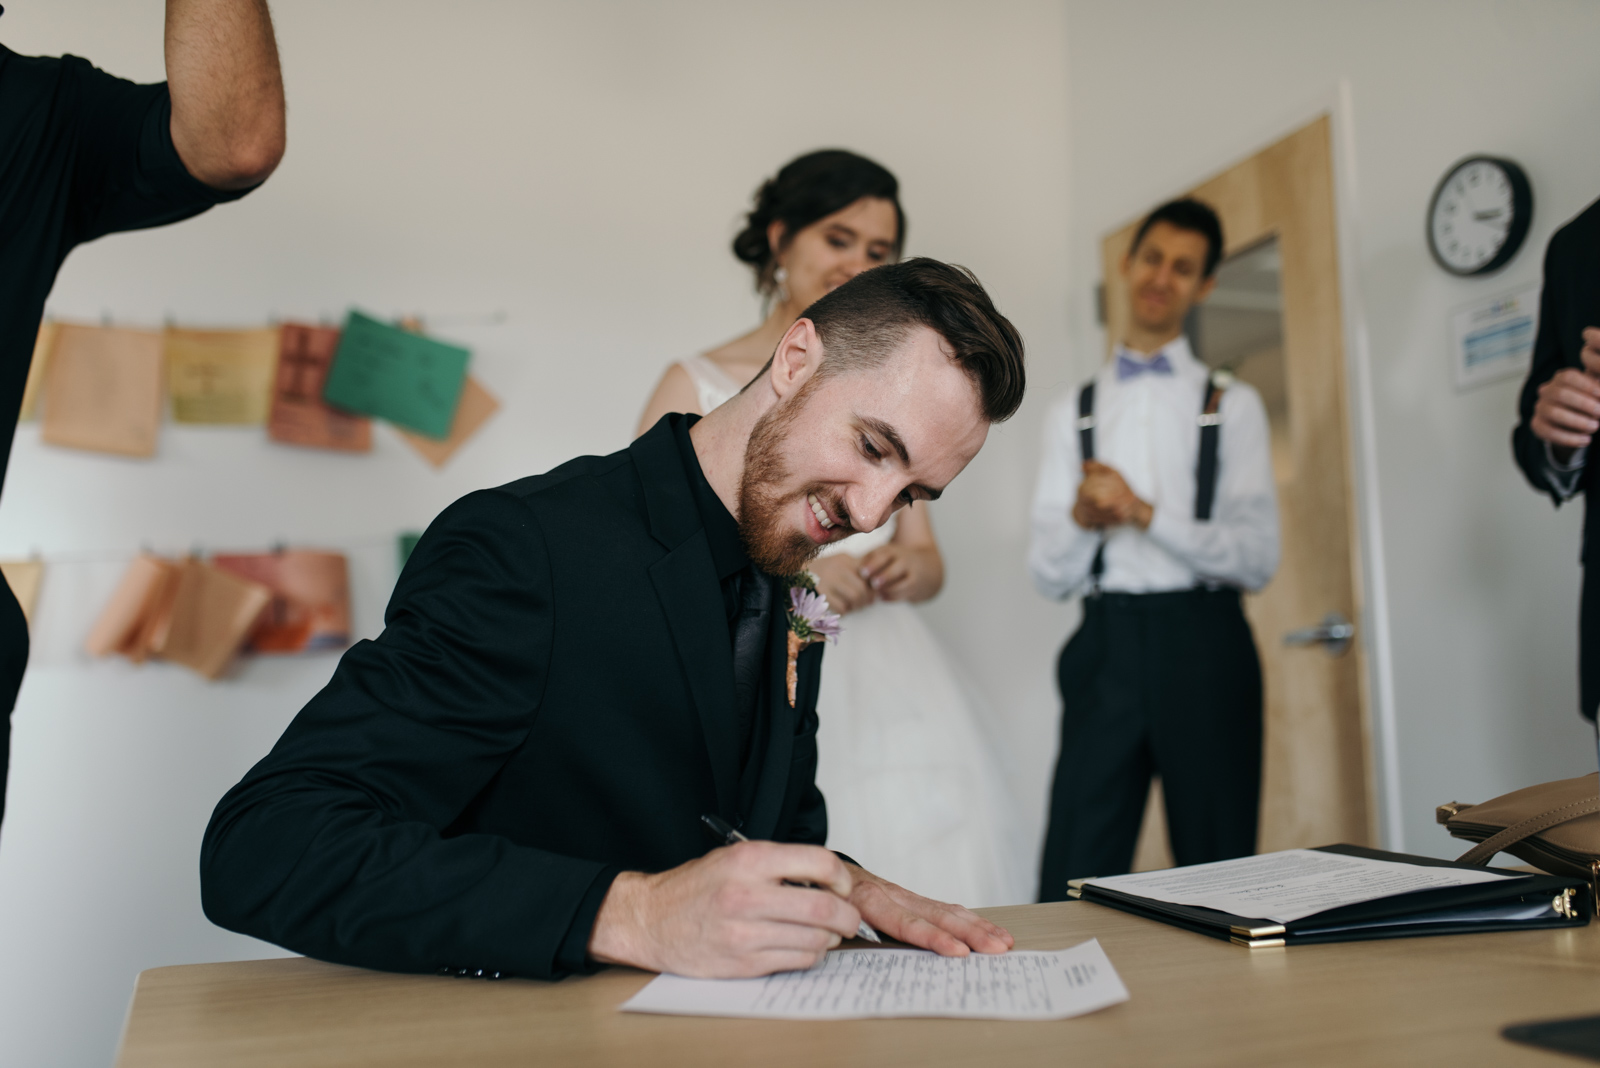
[1559, 412]
[88, 154]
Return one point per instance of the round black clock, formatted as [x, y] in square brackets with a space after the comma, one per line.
[1479, 215]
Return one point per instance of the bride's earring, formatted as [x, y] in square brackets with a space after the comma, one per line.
[780, 291]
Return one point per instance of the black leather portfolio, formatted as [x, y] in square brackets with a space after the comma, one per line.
[1503, 905]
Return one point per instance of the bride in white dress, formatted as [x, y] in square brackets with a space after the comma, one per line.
[913, 787]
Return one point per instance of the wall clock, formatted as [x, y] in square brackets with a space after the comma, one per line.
[1479, 215]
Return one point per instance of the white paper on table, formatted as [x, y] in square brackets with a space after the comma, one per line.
[857, 983]
[1290, 885]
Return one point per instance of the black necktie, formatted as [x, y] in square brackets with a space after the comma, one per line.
[750, 610]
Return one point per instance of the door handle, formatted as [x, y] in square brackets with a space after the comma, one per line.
[1334, 634]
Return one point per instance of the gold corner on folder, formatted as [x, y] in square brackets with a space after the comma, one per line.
[1076, 884]
[1074, 893]
[1258, 943]
[1258, 932]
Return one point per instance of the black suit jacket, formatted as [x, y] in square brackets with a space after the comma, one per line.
[1569, 302]
[551, 701]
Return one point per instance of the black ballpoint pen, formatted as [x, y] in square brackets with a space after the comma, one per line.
[730, 834]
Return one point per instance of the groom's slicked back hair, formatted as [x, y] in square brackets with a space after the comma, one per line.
[864, 321]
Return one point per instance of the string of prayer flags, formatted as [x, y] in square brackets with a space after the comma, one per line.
[103, 390]
[24, 577]
[221, 376]
[299, 415]
[385, 371]
[43, 345]
[191, 613]
[476, 406]
[310, 606]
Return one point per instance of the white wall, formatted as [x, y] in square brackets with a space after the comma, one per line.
[580, 167]
[1483, 575]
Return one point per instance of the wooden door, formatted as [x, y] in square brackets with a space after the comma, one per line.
[1316, 780]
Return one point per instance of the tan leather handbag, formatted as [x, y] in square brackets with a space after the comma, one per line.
[1554, 826]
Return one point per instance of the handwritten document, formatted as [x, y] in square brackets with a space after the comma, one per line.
[859, 983]
[1291, 884]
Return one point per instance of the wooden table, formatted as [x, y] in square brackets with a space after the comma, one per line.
[1195, 1001]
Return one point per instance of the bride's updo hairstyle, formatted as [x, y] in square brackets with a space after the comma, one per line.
[810, 188]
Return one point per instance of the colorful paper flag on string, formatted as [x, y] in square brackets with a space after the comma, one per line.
[299, 414]
[24, 577]
[405, 544]
[103, 390]
[212, 613]
[384, 371]
[137, 617]
[43, 345]
[476, 406]
[310, 607]
[221, 376]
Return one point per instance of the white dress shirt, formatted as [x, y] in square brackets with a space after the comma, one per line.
[1564, 477]
[1147, 428]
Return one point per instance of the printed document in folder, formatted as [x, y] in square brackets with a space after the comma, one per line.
[1291, 884]
[859, 983]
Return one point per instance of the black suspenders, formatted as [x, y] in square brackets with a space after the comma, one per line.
[1205, 476]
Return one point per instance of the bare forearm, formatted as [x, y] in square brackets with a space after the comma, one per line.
[227, 90]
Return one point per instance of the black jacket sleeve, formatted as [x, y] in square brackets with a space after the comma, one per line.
[1548, 358]
[332, 846]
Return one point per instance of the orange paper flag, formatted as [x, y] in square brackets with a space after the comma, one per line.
[103, 390]
[212, 613]
[299, 414]
[472, 411]
[310, 608]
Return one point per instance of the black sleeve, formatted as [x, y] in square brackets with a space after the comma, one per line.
[332, 845]
[126, 173]
[1529, 450]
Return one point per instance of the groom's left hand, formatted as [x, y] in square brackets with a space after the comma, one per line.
[948, 930]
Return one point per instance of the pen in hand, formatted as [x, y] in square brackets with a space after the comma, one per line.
[730, 834]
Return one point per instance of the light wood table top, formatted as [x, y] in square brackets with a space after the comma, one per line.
[1195, 1001]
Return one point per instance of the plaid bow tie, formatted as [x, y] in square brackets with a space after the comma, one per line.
[1128, 367]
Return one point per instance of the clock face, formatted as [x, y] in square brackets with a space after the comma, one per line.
[1479, 215]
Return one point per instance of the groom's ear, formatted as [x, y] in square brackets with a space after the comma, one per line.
[796, 358]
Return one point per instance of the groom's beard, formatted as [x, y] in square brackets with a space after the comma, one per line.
[774, 549]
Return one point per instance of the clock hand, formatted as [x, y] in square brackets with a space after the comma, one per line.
[1482, 216]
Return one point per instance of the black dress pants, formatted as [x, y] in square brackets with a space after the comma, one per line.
[1166, 684]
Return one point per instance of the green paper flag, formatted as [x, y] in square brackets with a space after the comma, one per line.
[408, 379]
[405, 543]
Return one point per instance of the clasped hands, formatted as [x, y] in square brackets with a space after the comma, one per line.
[733, 913]
[1104, 500]
[1567, 413]
[893, 572]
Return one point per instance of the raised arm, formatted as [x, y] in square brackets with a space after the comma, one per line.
[227, 90]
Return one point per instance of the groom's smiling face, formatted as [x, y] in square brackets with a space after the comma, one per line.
[842, 452]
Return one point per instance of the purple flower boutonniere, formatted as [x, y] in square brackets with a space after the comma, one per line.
[809, 621]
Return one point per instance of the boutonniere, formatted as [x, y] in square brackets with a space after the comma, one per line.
[809, 621]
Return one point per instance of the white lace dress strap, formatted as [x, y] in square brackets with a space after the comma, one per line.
[711, 383]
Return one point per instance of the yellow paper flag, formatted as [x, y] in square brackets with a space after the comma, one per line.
[221, 376]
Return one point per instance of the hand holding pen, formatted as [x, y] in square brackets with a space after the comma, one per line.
[730, 835]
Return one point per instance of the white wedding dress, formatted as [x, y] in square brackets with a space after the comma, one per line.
[913, 788]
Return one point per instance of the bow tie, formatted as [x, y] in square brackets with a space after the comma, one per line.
[1128, 367]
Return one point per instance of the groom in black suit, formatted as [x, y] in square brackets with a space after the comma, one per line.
[578, 665]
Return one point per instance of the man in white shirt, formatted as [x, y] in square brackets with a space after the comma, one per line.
[1156, 501]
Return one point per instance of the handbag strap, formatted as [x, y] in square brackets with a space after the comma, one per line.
[1480, 853]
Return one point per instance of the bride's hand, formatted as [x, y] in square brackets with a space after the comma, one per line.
[899, 572]
[840, 581]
